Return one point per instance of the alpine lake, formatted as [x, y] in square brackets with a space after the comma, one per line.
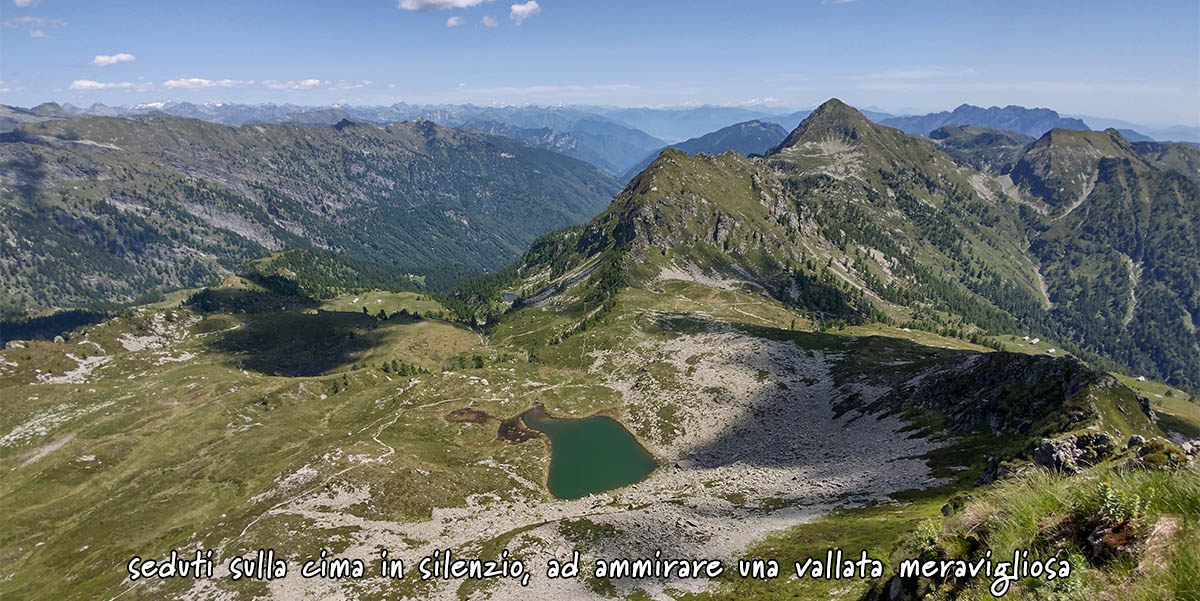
[589, 454]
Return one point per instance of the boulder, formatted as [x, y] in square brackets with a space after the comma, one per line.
[1158, 453]
[1071, 453]
[1144, 403]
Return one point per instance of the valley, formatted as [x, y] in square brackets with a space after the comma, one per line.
[843, 343]
[105, 210]
[463, 300]
[750, 421]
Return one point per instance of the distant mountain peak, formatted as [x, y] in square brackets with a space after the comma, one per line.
[1029, 121]
[1063, 165]
[1110, 141]
[835, 109]
[833, 118]
[49, 109]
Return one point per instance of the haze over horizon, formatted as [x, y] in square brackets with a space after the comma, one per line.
[1108, 59]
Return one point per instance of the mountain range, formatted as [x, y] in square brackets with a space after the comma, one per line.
[972, 228]
[1085, 238]
[615, 140]
[607, 144]
[984, 148]
[107, 209]
[677, 124]
[907, 346]
[1031, 122]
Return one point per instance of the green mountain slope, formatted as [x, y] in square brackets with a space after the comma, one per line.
[984, 148]
[107, 209]
[861, 208]
[364, 432]
[851, 220]
[1123, 268]
[1118, 247]
[1184, 158]
[761, 326]
[1061, 167]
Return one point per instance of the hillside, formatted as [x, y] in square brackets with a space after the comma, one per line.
[1031, 122]
[984, 148]
[385, 430]
[806, 216]
[849, 220]
[373, 422]
[107, 209]
[799, 343]
[1184, 158]
[1119, 252]
[751, 137]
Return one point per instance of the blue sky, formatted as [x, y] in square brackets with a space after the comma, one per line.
[1129, 60]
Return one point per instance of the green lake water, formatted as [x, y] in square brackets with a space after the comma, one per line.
[589, 455]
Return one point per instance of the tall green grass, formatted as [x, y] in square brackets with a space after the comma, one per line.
[1037, 511]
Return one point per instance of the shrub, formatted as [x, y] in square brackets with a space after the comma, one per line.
[925, 538]
[1122, 505]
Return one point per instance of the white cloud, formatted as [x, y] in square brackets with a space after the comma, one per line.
[104, 60]
[455, 21]
[199, 83]
[520, 12]
[424, 5]
[490, 22]
[26, 3]
[350, 85]
[88, 84]
[36, 26]
[303, 84]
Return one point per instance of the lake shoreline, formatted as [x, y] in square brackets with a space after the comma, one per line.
[538, 412]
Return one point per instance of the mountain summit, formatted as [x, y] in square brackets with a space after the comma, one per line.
[833, 119]
[851, 220]
[1061, 167]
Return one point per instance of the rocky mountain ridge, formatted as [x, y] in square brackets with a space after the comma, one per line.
[853, 220]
